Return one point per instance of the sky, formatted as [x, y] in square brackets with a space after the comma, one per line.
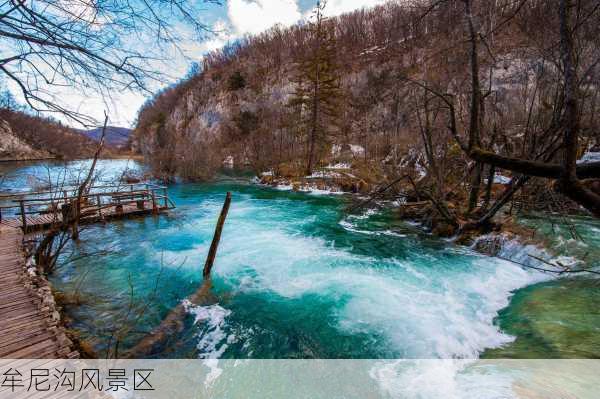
[233, 19]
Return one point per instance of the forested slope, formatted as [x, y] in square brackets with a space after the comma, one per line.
[27, 136]
[390, 91]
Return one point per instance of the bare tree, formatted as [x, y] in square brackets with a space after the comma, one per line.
[90, 44]
[560, 136]
[57, 237]
[568, 173]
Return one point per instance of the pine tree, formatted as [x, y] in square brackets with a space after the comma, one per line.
[318, 89]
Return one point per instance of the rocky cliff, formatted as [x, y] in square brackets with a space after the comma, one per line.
[14, 148]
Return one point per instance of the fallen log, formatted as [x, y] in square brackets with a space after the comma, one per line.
[173, 323]
[417, 204]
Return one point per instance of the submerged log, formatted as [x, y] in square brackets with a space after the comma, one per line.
[173, 323]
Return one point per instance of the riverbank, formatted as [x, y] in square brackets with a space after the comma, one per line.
[336, 179]
[341, 179]
[26, 159]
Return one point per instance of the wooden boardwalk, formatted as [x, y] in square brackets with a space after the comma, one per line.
[27, 329]
[89, 215]
[28, 322]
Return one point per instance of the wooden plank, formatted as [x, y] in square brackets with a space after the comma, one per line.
[33, 351]
[24, 328]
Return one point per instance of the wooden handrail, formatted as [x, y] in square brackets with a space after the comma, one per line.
[32, 204]
[143, 186]
[91, 195]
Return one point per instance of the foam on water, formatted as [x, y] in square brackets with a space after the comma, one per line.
[294, 276]
[213, 341]
[293, 253]
[427, 305]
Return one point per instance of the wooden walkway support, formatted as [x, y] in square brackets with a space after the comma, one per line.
[27, 328]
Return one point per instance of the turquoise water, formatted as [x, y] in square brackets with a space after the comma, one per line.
[24, 176]
[295, 277]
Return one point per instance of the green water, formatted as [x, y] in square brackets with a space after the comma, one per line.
[559, 318]
[297, 277]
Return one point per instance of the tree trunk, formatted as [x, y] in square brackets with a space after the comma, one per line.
[503, 200]
[569, 183]
[475, 188]
[488, 187]
[212, 252]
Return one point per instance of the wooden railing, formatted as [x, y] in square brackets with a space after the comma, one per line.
[96, 199]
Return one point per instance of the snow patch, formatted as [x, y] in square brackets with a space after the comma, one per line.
[589, 157]
[228, 162]
[340, 165]
[324, 175]
[357, 150]
[501, 179]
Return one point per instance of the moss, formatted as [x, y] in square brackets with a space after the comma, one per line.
[69, 298]
[557, 319]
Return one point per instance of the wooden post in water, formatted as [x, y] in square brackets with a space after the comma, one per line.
[212, 252]
[154, 208]
[99, 204]
[172, 324]
[23, 216]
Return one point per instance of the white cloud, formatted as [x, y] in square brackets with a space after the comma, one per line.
[243, 17]
[255, 16]
[222, 35]
[337, 7]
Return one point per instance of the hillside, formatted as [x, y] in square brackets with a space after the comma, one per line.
[115, 136]
[13, 148]
[26, 136]
[385, 92]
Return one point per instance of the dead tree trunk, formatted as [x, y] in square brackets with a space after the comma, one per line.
[569, 183]
[45, 255]
[173, 323]
[212, 252]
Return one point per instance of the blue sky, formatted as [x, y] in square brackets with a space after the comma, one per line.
[233, 19]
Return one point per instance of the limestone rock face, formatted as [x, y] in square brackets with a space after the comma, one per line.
[12, 147]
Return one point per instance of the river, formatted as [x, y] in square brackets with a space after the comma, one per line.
[296, 276]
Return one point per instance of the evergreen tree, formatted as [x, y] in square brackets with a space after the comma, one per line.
[7, 100]
[318, 89]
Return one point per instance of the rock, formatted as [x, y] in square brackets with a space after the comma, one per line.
[443, 229]
[55, 316]
[488, 245]
[13, 147]
[363, 187]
